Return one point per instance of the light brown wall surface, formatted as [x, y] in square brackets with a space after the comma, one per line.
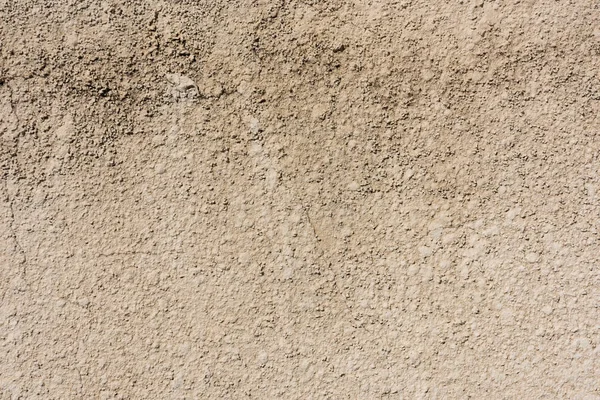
[299, 199]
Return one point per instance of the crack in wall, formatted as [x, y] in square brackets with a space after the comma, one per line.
[11, 226]
[135, 253]
[318, 239]
[13, 107]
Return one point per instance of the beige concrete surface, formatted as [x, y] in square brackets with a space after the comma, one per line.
[299, 199]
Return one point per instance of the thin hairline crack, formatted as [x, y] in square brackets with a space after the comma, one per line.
[11, 226]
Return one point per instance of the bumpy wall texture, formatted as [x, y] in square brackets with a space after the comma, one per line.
[299, 199]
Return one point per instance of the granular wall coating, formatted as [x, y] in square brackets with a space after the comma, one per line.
[299, 199]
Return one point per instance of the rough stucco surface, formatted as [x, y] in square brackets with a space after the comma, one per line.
[299, 199]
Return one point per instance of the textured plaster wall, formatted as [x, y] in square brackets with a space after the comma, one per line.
[299, 199]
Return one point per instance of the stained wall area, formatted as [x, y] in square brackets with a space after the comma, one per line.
[299, 199]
